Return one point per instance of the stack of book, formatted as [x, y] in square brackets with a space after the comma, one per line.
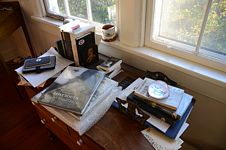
[79, 92]
[78, 43]
[111, 67]
[167, 115]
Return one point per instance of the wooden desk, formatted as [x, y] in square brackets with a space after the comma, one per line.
[114, 131]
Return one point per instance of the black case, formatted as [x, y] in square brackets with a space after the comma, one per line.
[39, 64]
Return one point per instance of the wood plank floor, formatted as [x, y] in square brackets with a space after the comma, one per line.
[20, 127]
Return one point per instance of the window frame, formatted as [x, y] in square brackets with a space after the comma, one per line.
[89, 14]
[185, 53]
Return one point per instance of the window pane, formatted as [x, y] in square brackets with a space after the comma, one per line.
[104, 11]
[78, 8]
[55, 6]
[61, 6]
[181, 20]
[214, 38]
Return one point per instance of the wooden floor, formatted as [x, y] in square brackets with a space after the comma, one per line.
[20, 127]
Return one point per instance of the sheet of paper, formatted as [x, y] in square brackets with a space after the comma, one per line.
[182, 129]
[127, 91]
[36, 79]
[156, 122]
[160, 141]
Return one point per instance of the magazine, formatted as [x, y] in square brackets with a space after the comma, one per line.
[73, 89]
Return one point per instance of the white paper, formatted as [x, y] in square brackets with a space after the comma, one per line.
[125, 93]
[156, 122]
[161, 142]
[182, 129]
[35, 79]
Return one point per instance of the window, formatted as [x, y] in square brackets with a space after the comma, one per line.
[99, 11]
[197, 27]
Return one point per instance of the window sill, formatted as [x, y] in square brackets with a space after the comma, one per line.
[209, 75]
[199, 71]
[57, 23]
[47, 20]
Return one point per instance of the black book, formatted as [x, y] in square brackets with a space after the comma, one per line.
[156, 111]
[87, 50]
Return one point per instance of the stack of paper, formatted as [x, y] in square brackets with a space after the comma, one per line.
[161, 142]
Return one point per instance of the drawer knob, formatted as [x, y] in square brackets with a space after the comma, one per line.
[79, 142]
[53, 119]
[43, 121]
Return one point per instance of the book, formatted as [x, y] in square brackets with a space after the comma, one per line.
[79, 44]
[171, 102]
[110, 64]
[173, 130]
[82, 30]
[156, 111]
[167, 115]
[73, 89]
[102, 93]
[87, 50]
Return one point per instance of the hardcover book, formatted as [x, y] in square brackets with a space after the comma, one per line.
[102, 93]
[171, 102]
[79, 43]
[110, 64]
[156, 111]
[173, 131]
[168, 116]
[73, 89]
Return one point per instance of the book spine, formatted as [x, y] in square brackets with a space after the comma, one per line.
[69, 52]
[155, 106]
[74, 50]
[63, 44]
[152, 110]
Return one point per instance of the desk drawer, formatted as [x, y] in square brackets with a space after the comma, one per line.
[50, 118]
[83, 141]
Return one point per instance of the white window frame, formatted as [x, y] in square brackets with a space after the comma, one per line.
[165, 45]
[89, 14]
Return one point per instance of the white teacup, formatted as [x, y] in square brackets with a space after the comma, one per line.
[108, 32]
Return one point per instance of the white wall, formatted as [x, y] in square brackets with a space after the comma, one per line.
[207, 120]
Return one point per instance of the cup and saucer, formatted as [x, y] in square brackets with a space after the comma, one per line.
[109, 33]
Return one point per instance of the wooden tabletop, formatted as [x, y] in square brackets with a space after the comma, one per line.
[116, 130]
